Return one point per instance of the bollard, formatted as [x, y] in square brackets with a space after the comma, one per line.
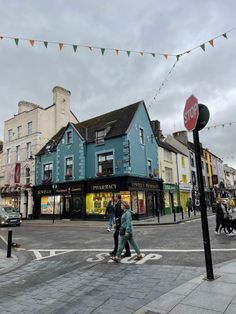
[174, 214]
[9, 243]
[158, 216]
[182, 213]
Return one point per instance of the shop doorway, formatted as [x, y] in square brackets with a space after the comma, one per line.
[66, 208]
[78, 210]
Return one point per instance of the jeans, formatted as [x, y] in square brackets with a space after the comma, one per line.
[110, 219]
[123, 240]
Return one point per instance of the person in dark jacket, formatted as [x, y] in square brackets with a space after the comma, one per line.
[110, 213]
[118, 214]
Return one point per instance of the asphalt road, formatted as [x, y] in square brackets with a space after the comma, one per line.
[66, 267]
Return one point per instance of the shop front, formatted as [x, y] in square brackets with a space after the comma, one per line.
[143, 195]
[10, 196]
[171, 198]
[59, 201]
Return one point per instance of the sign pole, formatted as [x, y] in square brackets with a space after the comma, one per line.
[204, 221]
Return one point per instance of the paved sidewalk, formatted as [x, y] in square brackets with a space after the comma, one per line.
[199, 296]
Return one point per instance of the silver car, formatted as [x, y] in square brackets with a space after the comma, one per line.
[9, 216]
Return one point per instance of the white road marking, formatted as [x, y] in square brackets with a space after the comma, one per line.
[41, 254]
[3, 239]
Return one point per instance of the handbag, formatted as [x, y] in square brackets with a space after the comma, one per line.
[122, 231]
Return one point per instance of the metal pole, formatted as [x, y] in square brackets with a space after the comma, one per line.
[193, 199]
[158, 216]
[9, 243]
[174, 214]
[182, 212]
[204, 221]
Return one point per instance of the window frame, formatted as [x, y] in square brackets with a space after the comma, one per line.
[101, 170]
[141, 136]
[69, 137]
[100, 139]
[50, 171]
[69, 166]
[28, 151]
[8, 155]
[10, 135]
[17, 152]
[29, 128]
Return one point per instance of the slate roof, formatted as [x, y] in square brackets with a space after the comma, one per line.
[117, 122]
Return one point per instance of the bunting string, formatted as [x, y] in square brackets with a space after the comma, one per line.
[128, 52]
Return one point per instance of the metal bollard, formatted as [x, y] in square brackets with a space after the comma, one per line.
[174, 215]
[158, 216]
[182, 213]
[9, 243]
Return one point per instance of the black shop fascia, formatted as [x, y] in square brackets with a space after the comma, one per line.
[143, 195]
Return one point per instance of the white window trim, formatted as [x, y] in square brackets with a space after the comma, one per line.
[104, 152]
[73, 165]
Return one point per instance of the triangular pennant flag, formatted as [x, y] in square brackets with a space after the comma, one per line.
[225, 35]
[61, 45]
[75, 47]
[45, 44]
[203, 47]
[103, 50]
[177, 57]
[154, 55]
[141, 53]
[117, 51]
[32, 42]
[16, 41]
[128, 53]
[211, 42]
[90, 48]
[165, 55]
[1, 37]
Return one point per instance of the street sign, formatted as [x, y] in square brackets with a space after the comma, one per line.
[191, 113]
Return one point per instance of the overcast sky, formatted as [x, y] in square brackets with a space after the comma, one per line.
[101, 83]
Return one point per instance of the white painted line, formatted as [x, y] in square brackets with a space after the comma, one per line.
[3, 239]
[52, 252]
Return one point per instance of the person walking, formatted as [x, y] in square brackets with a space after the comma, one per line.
[110, 213]
[126, 234]
[118, 213]
[189, 205]
[219, 214]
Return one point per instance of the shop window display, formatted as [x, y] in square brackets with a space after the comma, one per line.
[134, 198]
[96, 203]
[141, 203]
[47, 203]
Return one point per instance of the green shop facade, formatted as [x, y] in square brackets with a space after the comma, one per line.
[171, 197]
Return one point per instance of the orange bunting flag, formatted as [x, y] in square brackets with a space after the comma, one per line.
[141, 53]
[32, 42]
[211, 42]
[117, 51]
[166, 56]
[61, 45]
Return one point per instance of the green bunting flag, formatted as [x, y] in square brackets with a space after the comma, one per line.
[75, 47]
[154, 55]
[225, 35]
[16, 41]
[177, 57]
[45, 44]
[128, 53]
[203, 47]
[103, 50]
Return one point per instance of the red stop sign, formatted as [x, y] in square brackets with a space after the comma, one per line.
[191, 113]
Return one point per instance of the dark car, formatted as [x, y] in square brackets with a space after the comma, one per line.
[9, 216]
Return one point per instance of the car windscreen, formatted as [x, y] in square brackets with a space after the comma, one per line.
[10, 210]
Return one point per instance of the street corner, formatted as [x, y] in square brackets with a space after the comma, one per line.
[7, 263]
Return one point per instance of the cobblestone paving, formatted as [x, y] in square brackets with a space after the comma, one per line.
[60, 287]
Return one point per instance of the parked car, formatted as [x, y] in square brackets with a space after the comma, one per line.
[9, 216]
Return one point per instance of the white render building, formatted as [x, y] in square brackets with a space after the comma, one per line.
[24, 135]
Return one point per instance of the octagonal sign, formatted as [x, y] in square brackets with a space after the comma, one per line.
[191, 113]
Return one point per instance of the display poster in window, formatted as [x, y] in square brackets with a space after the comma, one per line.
[47, 203]
[96, 203]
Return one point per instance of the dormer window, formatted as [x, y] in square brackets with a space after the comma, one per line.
[100, 136]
